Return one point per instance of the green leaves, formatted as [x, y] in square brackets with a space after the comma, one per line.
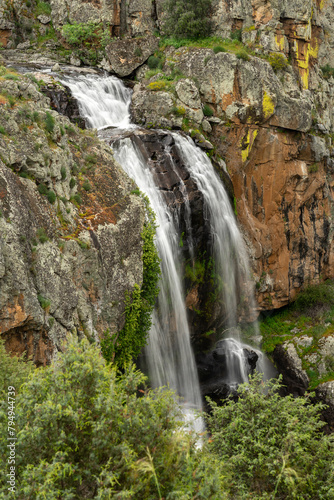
[272, 445]
[187, 18]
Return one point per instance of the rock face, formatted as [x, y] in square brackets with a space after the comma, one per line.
[70, 229]
[126, 55]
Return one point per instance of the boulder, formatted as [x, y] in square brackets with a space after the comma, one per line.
[125, 56]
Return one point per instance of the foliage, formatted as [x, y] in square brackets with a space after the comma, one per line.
[316, 295]
[272, 446]
[51, 196]
[158, 85]
[63, 173]
[277, 61]
[43, 8]
[127, 344]
[45, 303]
[327, 71]
[87, 34]
[242, 54]
[85, 432]
[207, 110]
[49, 122]
[187, 18]
[41, 235]
[14, 371]
[2, 130]
[196, 272]
[218, 48]
[72, 182]
[154, 62]
[42, 189]
[236, 34]
[86, 185]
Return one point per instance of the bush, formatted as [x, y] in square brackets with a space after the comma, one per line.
[236, 35]
[272, 446]
[219, 48]
[72, 183]
[49, 122]
[317, 295]
[242, 54]
[63, 173]
[154, 62]
[277, 61]
[2, 130]
[327, 71]
[207, 110]
[86, 185]
[158, 85]
[51, 196]
[85, 431]
[42, 189]
[41, 235]
[187, 18]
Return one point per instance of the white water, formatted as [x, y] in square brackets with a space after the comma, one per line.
[169, 355]
[105, 102]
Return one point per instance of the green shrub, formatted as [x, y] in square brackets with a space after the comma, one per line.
[271, 445]
[86, 431]
[63, 173]
[49, 122]
[43, 189]
[72, 183]
[187, 18]
[14, 372]
[2, 130]
[10, 76]
[219, 48]
[278, 61]
[77, 199]
[153, 62]
[45, 303]
[327, 71]
[242, 54]
[43, 8]
[207, 110]
[51, 196]
[236, 35]
[317, 295]
[41, 235]
[86, 185]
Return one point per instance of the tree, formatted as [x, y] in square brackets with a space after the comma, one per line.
[187, 18]
[273, 445]
[85, 431]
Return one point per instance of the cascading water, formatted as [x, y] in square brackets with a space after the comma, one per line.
[104, 102]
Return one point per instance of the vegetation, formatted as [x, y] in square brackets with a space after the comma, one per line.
[45, 303]
[327, 71]
[86, 431]
[218, 49]
[277, 61]
[242, 54]
[187, 18]
[207, 110]
[127, 344]
[272, 446]
[154, 62]
[311, 315]
[49, 122]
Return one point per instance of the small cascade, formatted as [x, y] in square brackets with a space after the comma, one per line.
[104, 103]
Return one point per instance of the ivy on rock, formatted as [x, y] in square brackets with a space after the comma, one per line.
[126, 344]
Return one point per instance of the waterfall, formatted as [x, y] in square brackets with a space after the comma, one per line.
[104, 102]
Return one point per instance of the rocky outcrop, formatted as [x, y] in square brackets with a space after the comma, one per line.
[70, 229]
[125, 56]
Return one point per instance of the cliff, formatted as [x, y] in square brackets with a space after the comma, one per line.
[70, 229]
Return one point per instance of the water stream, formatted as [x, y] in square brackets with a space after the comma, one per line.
[104, 102]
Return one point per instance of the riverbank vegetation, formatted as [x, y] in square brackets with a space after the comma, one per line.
[86, 430]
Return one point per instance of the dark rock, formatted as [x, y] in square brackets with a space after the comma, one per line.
[63, 102]
[289, 365]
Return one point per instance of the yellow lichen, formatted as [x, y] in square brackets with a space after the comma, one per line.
[279, 39]
[249, 141]
[268, 105]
